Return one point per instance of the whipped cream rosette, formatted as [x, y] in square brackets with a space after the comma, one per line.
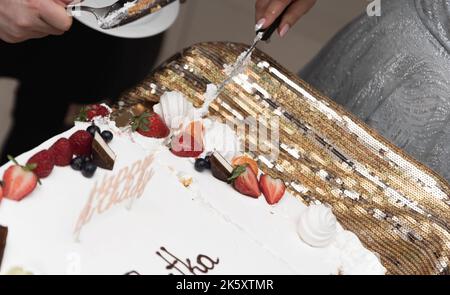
[317, 226]
[174, 109]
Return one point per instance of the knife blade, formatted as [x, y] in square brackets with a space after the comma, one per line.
[261, 35]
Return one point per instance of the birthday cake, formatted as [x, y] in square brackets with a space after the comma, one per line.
[162, 191]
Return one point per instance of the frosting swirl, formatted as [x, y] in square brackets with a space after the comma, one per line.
[221, 138]
[317, 226]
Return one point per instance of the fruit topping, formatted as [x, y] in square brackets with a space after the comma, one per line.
[245, 181]
[88, 113]
[43, 163]
[201, 165]
[150, 125]
[62, 152]
[138, 109]
[186, 146]
[245, 160]
[272, 189]
[107, 136]
[220, 168]
[19, 181]
[77, 163]
[1, 190]
[89, 169]
[102, 155]
[93, 129]
[81, 143]
[208, 161]
[87, 159]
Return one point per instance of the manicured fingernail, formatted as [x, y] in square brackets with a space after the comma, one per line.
[260, 24]
[284, 30]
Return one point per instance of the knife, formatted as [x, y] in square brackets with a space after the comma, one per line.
[261, 35]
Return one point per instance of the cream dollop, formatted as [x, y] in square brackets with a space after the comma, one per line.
[317, 226]
[175, 109]
[221, 138]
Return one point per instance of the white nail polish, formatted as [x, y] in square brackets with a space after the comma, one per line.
[284, 30]
[260, 24]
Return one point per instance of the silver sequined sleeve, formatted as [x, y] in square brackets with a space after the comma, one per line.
[393, 71]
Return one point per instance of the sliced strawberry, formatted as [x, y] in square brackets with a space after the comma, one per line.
[44, 163]
[245, 181]
[62, 152]
[150, 125]
[273, 189]
[81, 143]
[186, 146]
[19, 181]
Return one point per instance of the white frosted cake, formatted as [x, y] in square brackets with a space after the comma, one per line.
[155, 213]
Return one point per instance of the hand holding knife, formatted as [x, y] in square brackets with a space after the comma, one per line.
[261, 35]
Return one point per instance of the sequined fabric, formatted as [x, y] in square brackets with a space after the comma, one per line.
[397, 207]
[393, 72]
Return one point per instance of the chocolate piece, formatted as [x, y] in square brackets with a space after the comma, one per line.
[220, 167]
[3, 236]
[103, 155]
[123, 119]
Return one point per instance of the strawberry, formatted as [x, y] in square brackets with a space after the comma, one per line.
[1, 190]
[150, 125]
[88, 113]
[186, 146]
[19, 181]
[245, 181]
[102, 111]
[81, 143]
[91, 114]
[62, 152]
[44, 163]
[272, 189]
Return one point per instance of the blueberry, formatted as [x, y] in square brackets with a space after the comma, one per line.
[208, 161]
[89, 170]
[92, 129]
[107, 136]
[201, 164]
[86, 159]
[77, 163]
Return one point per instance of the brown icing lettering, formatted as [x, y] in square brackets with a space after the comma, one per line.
[203, 266]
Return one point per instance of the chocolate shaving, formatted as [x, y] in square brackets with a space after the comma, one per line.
[3, 236]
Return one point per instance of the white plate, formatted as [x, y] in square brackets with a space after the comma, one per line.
[146, 26]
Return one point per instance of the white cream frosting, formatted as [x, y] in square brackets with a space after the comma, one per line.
[174, 109]
[208, 97]
[221, 138]
[167, 215]
[317, 226]
[353, 260]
